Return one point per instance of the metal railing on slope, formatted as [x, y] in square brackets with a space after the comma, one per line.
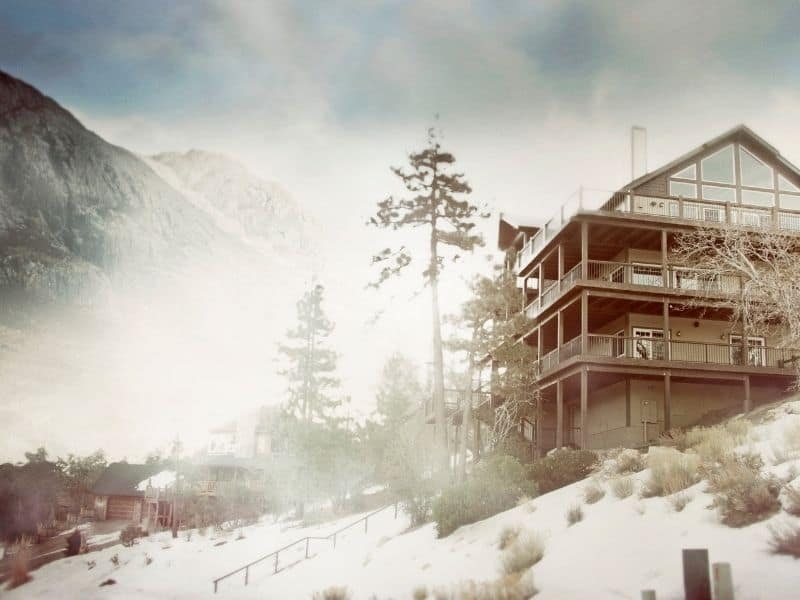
[306, 540]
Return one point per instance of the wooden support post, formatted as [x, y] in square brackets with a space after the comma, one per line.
[696, 582]
[667, 338]
[539, 342]
[541, 282]
[664, 272]
[723, 581]
[537, 453]
[559, 413]
[584, 322]
[584, 407]
[667, 401]
[748, 404]
[559, 329]
[584, 250]
[560, 264]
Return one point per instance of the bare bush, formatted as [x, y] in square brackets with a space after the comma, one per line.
[508, 536]
[629, 461]
[593, 492]
[712, 444]
[741, 493]
[670, 472]
[18, 572]
[679, 501]
[332, 593]
[785, 540]
[622, 487]
[526, 551]
[574, 514]
[739, 429]
[791, 502]
[509, 587]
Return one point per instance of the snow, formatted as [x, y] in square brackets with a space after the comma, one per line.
[619, 548]
[160, 481]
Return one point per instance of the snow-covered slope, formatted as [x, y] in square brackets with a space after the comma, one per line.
[619, 548]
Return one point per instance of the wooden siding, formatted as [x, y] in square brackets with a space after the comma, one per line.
[123, 508]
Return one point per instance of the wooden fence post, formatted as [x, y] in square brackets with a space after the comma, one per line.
[366, 521]
[307, 540]
[276, 563]
[334, 540]
[246, 575]
[696, 581]
[395, 510]
[723, 581]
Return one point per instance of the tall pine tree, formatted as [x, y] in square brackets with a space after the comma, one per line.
[311, 365]
[438, 203]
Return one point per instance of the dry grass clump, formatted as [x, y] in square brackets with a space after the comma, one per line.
[712, 444]
[670, 472]
[593, 493]
[791, 502]
[629, 461]
[622, 487]
[741, 493]
[679, 501]
[508, 536]
[785, 540]
[574, 514]
[526, 551]
[517, 586]
[18, 572]
[332, 593]
[739, 430]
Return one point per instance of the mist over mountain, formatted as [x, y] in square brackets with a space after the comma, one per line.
[136, 294]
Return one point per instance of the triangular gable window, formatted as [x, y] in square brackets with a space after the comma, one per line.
[719, 166]
[689, 172]
[754, 172]
[785, 185]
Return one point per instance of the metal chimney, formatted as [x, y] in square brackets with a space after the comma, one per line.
[638, 151]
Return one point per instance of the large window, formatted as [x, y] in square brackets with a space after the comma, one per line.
[648, 343]
[716, 178]
[754, 352]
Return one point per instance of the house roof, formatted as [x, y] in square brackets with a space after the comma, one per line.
[510, 229]
[740, 131]
[122, 479]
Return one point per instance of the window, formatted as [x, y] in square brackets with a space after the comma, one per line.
[754, 173]
[719, 166]
[722, 194]
[685, 190]
[648, 343]
[789, 201]
[646, 274]
[758, 198]
[755, 351]
[689, 172]
[785, 185]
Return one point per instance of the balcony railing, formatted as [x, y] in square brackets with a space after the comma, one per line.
[643, 348]
[680, 278]
[660, 206]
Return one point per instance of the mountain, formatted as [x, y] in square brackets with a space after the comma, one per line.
[260, 211]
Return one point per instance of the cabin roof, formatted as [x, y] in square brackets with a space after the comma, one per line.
[121, 479]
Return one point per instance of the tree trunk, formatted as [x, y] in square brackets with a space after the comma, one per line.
[466, 423]
[438, 377]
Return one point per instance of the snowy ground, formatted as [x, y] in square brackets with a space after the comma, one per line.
[620, 548]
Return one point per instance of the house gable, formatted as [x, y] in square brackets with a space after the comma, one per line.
[738, 167]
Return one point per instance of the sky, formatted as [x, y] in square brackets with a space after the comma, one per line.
[534, 99]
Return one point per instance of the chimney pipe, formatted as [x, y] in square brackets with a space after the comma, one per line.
[638, 151]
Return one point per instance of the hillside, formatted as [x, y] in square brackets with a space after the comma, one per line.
[619, 548]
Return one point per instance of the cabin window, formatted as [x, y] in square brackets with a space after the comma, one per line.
[758, 198]
[689, 172]
[680, 188]
[648, 343]
[785, 185]
[755, 173]
[755, 351]
[718, 167]
[647, 274]
[722, 194]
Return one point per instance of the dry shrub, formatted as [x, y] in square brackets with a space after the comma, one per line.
[593, 493]
[508, 536]
[792, 500]
[741, 493]
[18, 571]
[622, 487]
[712, 444]
[419, 593]
[516, 586]
[574, 514]
[526, 551]
[739, 430]
[670, 472]
[629, 461]
[332, 593]
[779, 454]
[674, 438]
[785, 540]
[679, 501]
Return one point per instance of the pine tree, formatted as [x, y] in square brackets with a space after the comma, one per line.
[437, 203]
[399, 391]
[310, 364]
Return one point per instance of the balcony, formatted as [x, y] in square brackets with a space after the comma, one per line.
[684, 351]
[698, 211]
[679, 278]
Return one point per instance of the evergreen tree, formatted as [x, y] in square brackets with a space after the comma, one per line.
[310, 364]
[437, 203]
[399, 391]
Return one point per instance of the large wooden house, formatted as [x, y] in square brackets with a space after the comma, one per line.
[630, 344]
